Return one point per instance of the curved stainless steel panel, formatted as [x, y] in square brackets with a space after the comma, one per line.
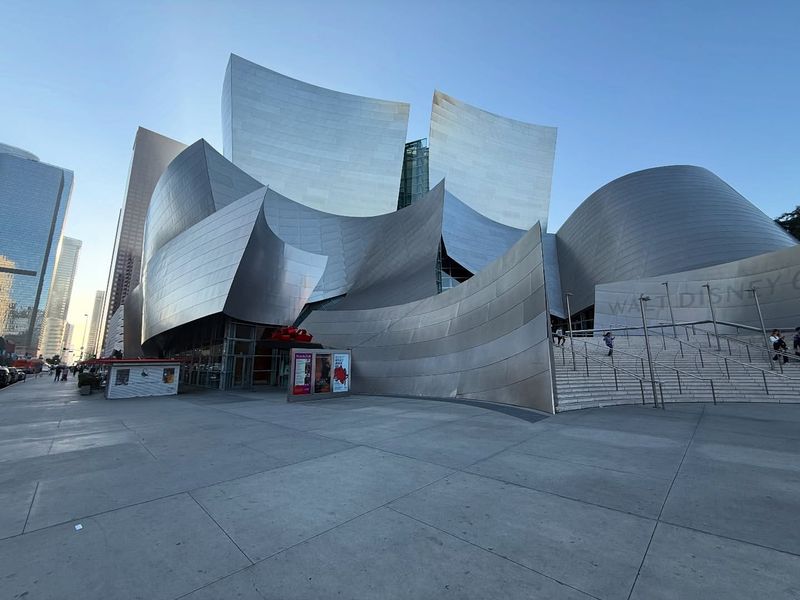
[658, 221]
[198, 182]
[229, 262]
[486, 339]
[392, 255]
[335, 152]
[500, 167]
[462, 226]
[775, 275]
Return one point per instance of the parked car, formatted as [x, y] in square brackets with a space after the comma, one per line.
[22, 374]
[13, 375]
[5, 377]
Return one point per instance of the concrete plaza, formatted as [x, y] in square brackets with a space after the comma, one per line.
[240, 495]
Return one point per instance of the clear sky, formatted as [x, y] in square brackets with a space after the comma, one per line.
[629, 84]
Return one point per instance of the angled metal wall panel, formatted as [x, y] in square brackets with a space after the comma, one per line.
[392, 255]
[500, 167]
[132, 328]
[190, 276]
[775, 275]
[487, 338]
[471, 239]
[198, 182]
[658, 221]
[334, 152]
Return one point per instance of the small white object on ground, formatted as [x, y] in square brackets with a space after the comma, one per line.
[78, 527]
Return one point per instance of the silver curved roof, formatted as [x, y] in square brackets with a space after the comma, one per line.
[657, 221]
[500, 167]
[486, 339]
[197, 183]
[19, 152]
[335, 152]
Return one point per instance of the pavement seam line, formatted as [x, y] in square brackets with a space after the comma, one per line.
[473, 544]
[221, 528]
[732, 539]
[30, 508]
[664, 503]
[316, 535]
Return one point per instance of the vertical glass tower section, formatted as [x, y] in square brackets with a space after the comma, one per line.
[34, 197]
[338, 153]
[152, 153]
[55, 315]
[414, 181]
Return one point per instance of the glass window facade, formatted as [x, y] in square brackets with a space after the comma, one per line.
[414, 181]
[34, 197]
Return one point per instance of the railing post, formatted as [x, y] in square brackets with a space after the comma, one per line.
[700, 352]
[641, 387]
[680, 345]
[708, 339]
[713, 392]
[680, 388]
[747, 347]
[727, 370]
[661, 391]
[569, 320]
[713, 315]
[729, 347]
[671, 314]
[642, 361]
[764, 377]
[663, 339]
[763, 328]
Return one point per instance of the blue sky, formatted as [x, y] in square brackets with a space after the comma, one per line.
[629, 85]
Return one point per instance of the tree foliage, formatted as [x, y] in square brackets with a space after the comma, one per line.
[54, 360]
[790, 221]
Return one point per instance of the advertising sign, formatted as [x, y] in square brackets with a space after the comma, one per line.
[322, 374]
[302, 373]
[341, 372]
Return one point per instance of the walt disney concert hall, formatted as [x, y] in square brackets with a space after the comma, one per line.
[429, 260]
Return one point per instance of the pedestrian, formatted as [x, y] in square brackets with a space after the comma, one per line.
[559, 337]
[58, 373]
[64, 373]
[778, 345]
[608, 338]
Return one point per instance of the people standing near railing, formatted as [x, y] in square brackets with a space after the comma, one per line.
[559, 337]
[608, 338]
[779, 345]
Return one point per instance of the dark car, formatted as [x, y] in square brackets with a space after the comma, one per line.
[13, 375]
[5, 377]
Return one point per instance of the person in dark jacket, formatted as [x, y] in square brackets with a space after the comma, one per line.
[608, 338]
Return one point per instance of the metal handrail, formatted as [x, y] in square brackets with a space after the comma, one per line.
[615, 368]
[760, 347]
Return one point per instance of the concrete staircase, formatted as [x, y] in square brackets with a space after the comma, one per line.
[684, 368]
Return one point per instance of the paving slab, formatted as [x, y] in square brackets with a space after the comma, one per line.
[386, 555]
[156, 550]
[593, 549]
[15, 502]
[628, 492]
[689, 564]
[757, 504]
[271, 511]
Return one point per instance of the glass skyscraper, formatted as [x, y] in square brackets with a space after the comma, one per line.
[55, 314]
[34, 197]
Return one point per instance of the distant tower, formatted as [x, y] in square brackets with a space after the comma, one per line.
[152, 153]
[94, 327]
[55, 314]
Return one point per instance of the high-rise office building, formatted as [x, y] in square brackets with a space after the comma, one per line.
[55, 314]
[94, 326]
[34, 197]
[67, 351]
[152, 153]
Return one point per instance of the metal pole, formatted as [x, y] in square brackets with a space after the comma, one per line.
[713, 316]
[569, 320]
[85, 324]
[642, 300]
[671, 315]
[763, 328]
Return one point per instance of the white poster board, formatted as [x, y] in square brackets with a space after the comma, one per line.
[137, 380]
